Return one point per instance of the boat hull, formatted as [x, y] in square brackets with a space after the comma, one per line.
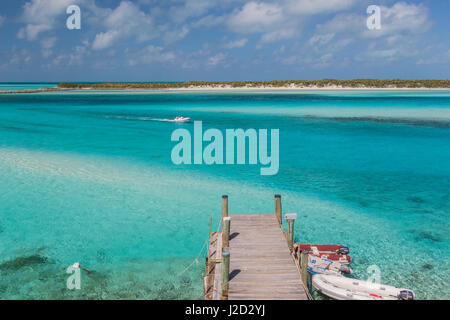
[325, 251]
[342, 288]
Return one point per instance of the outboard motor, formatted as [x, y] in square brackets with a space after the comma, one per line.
[343, 250]
[406, 295]
[345, 269]
[296, 250]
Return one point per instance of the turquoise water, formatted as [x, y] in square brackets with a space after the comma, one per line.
[12, 86]
[87, 177]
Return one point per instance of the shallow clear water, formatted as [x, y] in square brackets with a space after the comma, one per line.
[13, 86]
[87, 177]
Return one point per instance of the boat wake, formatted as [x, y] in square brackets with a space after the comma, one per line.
[133, 118]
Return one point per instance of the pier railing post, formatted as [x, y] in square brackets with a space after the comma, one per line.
[304, 270]
[290, 219]
[224, 206]
[210, 227]
[225, 273]
[278, 207]
[226, 232]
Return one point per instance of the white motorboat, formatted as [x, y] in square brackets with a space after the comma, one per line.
[180, 119]
[342, 288]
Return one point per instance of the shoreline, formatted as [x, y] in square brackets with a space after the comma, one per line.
[226, 88]
[44, 89]
[301, 88]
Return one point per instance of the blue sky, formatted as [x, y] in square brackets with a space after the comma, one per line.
[178, 40]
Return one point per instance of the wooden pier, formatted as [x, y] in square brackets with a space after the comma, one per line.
[251, 258]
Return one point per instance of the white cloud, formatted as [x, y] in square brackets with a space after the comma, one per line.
[305, 59]
[282, 19]
[310, 7]
[209, 21]
[344, 22]
[78, 55]
[130, 23]
[235, 44]
[18, 57]
[280, 34]
[401, 18]
[191, 8]
[149, 55]
[40, 16]
[256, 17]
[170, 36]
[216, 59]
[125, 21]
[324, 61]
[2, 20]
[401, 25]
[436, 58]
[195, 59]
[105, 39]
[31, 31]
[337, 33]
[47, 45]
[340, 44]
[269, 19]
[321, 39]
[384, 54]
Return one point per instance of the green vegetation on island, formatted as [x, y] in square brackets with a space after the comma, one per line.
[356, 83]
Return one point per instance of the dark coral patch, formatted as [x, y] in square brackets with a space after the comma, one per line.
[20, 262]
[423, 235]
[427, 266]
[416, 199]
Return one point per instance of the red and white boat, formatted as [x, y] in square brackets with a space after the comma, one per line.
[333, 252]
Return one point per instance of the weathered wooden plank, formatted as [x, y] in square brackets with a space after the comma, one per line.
[263, 290]
[260, 288]
[217, 282]
[269, 288]
[264, 296]
[258, 215]
[282, 276]
[257, 247]
[261, 259]
[261, 266]
[254, 236]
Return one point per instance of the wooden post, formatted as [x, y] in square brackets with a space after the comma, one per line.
[304, 269]
[204, 285]
[278, 209]
[290, 219]
[224, 206]
[225, 273]
[210, 227]
[226, 232]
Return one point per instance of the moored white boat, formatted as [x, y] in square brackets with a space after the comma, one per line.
[342, 288]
